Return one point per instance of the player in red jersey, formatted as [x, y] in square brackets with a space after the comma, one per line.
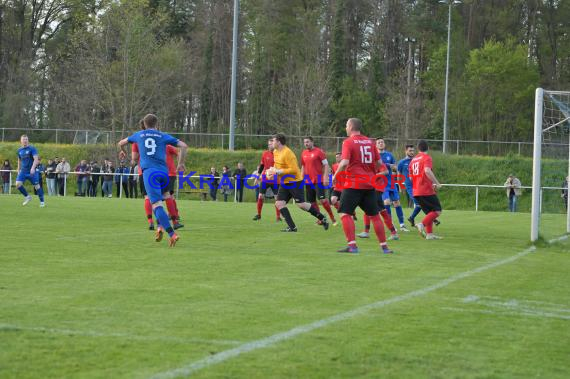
[265, 163]
[315, 168]
[360, 160]
[425, 185]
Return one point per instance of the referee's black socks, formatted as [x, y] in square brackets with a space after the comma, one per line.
[287, 215]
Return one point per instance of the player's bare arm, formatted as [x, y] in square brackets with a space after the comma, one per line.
[182, 156]
[432, 177]
[123, 146]
[35, 164]
[341, 167]
[326, 171]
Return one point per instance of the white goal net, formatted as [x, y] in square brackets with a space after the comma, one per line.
[552, 124]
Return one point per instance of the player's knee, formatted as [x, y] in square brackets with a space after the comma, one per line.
[19, 184]
[37, 186]
[386, 202]
[396, 203]
[280, 204]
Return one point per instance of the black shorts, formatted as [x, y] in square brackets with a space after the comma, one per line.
[171, 183]
[381, 206]
[313, 193]
[429, 203]
[293, 190]
[141, 186]
[366, 199]
[265, 185]
[336, 194]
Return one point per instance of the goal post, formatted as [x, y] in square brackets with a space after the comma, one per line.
[551, 116]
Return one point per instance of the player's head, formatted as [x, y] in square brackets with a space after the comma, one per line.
[338, 157]
[279, 140]
[353, 126]
[410, 151]
[380, 144]
[422, 146]
[270, 144]
[150, 121]
[24, 140]
[308, 142]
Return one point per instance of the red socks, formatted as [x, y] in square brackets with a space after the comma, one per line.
[388, 220]
[349, 229]
[366, 223]
[428, 221]
[259, 205]
[379, 228]
[148, 210]
[171, 205]
[277, 213]
[327, 207]
[337, 205]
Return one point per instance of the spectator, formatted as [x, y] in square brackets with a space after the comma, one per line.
[40, 169]
[62, 170]
[239, 174]
[83, 171]
[51, 177]
[6, 174]
[108, 171]
[513, 186]
[121, 180]
[226, 189]
[214, 184]
[94, 179]
[134, 181]
[565, 192]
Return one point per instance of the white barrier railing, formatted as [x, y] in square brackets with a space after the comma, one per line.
[476, 187]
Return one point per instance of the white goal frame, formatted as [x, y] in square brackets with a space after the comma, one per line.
[537, 160]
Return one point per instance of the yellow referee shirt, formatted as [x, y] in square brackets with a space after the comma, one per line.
[286, 161]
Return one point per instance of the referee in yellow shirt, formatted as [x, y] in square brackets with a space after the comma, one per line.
[290, 183]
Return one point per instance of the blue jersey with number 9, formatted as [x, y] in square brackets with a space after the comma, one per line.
[152, 148]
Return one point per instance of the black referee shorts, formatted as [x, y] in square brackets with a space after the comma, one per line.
[429, 203]
[366, 199]
[292, 190]
[265, 185]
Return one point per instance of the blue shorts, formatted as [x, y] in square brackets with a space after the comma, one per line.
[411, 196]
[155, 183]
[391, 194]
[34, 179]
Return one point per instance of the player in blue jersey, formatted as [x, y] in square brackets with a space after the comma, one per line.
[28, 160]
[391, 194]
[152, 151]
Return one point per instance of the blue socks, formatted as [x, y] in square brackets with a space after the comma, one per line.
[23, 190]
[40, 192]
[162, 217]
[400, 213]
[416, 211]
[389, 209]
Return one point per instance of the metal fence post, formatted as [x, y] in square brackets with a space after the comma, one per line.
[121, 186]
[519, 148]
[64, 184]
[477, 199]
[457, 147]
[10, 184]
[2, 134]
[56, 136]
[541, 193]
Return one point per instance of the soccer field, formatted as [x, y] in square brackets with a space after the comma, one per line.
[85, 292]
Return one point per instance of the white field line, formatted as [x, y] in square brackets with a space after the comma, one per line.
[303, 329]
[515, 304]
[509, 312]
[91, 333]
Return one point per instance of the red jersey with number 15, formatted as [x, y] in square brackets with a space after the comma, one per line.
[421, 184]
[266, 160]
[362, 156]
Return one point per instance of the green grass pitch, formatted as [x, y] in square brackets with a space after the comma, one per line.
[85, 292]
